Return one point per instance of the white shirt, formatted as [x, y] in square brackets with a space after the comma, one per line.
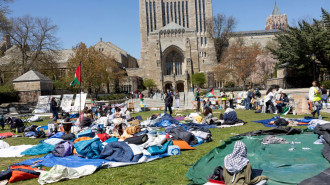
[312, 93]
[269, 96]
[277, 94]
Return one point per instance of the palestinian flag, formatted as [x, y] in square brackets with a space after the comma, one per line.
[212, 92]
[77, 78]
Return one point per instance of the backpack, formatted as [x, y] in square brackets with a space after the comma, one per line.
[281, 122]
[217, 174]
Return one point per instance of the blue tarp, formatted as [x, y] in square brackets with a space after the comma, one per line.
[72, 161]
[266, 121]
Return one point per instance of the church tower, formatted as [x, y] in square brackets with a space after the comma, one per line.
[277, 20]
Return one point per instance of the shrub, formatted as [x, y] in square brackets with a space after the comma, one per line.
[111, 97]
[7, 97]
[7, 88]
[326, 84]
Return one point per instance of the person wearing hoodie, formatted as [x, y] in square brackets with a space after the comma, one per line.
[237, 168]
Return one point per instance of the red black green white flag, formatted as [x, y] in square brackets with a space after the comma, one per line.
[77, 78]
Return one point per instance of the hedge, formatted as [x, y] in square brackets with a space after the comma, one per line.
[111, 97]
[7, 97]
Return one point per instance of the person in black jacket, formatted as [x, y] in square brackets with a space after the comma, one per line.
[168, 103]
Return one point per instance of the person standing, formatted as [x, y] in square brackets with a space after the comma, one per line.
[324, 96]
[198, 100]
[249, 98]
[315, 99]
[231, 98]
[168, 103]
[223, 99]
[54, 110]
[177, 99]
[162, 93]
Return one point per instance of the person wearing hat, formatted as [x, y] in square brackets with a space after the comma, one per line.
[257, 94]
[284, 100]
[237, 168]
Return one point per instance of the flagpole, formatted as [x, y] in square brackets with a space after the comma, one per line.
[80, 89]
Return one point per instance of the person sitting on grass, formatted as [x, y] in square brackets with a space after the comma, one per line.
[208, 115]
[237, 168]
[282, 102]
[118, 114]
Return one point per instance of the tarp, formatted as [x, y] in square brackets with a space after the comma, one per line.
[72, 161]
[279, 164]
[266, 121]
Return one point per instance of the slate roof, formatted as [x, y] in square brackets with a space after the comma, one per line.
[276, 10]
[32, 76]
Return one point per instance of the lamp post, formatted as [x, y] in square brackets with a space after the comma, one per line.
[314, 66]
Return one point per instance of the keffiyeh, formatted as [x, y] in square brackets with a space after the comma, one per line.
[236, 161]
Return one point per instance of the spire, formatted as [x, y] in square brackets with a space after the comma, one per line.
[276, 10]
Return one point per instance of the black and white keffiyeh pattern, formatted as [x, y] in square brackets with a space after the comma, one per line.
[236, 161]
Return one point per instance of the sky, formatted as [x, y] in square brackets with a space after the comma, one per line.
[118, 21]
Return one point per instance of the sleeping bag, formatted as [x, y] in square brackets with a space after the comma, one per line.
[62, 149]
[117, 151]
[90, 149]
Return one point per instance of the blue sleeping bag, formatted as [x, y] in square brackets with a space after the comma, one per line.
[155, 150]
[42, 148]
[90, 149]
[117, 151]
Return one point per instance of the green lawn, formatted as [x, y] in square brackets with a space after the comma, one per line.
[170, 170]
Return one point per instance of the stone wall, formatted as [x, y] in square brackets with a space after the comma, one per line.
[27, 86]
[29, 96]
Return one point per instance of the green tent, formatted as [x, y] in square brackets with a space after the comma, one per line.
[279, 164]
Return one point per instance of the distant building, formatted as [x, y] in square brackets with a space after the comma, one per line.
[277, 20]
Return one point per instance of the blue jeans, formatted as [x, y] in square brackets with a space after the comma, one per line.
[162, 96]
[55, 115]
[325, 100]
[169, 108]
[247, 104]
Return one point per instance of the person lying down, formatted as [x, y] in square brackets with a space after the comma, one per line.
[238, 169]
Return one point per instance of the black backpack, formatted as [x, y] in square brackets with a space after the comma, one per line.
[281, 122]
[217, 174]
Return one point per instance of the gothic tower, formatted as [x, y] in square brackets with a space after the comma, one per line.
[277, 20]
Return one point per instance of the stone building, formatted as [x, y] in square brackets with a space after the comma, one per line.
[274, 23]
[174, 42]
[31, 85]
[277, 20]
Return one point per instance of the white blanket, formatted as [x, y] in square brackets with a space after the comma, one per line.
[3, 145]
[59, 172]
[14, 151]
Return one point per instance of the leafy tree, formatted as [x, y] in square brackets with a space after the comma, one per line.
[238, 63]
[97, 71]
[149, 83]
[296, 45]
[220, 29]
[198, 79]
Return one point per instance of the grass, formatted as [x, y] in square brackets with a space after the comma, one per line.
[170, 170]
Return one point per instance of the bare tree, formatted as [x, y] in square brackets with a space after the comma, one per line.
[35, 39]
[220, 28]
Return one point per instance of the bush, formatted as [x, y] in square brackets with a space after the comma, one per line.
[58, 84]
[7, 97]
[111, 97]
[7, 88]
[326, 84]
[202, 93]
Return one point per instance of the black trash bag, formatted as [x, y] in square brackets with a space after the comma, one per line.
[280, 122]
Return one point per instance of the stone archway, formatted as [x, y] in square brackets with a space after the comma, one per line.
[168, 85]
[180, 86]
[173, 60]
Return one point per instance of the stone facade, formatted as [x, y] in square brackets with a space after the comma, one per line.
[174, 42]
[277, 20]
